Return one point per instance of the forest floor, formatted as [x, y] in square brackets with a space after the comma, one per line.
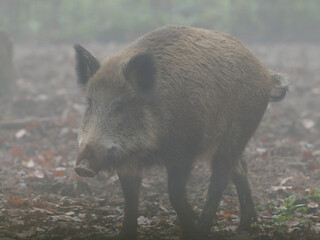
[41, 197]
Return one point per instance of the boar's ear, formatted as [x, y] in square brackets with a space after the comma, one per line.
[140, 71]
[86, 64]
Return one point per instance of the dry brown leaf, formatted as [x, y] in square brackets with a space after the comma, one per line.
[16, 151]
[59, 173]
[17, 202]
[307, 155]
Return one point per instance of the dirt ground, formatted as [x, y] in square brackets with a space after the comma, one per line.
[42, 198]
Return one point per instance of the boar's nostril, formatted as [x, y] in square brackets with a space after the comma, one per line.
[83, 169]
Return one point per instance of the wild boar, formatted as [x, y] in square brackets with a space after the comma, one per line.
[174, 95]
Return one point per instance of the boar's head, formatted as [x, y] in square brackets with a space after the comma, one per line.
[119, 123]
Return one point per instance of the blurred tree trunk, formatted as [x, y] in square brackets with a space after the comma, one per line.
[7, 79]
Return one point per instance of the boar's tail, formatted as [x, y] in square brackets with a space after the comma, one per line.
[280, 86]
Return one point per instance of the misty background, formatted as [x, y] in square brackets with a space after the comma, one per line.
[124, 20]
[41, 107]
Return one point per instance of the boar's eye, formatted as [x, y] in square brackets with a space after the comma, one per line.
[118, 105]
[118, 108]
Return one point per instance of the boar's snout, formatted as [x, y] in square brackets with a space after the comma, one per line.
[82, 168]
[93, 158]
[88, 158]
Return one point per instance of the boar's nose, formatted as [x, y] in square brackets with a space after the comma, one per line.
[82, 169]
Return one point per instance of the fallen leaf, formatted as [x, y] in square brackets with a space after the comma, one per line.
[261, 150]
[313, 166]
[21, 133]
[292, 223]
[316, 91]
[277, 188]
[29, 163]
[25, 235]
[143, 220]
[16, 202]
[312, 205]
[41, 210]
[48, 155]
[307, 155]
[230, 214]
[59, 173]
[17, 151]
[308, 123]
[283, 181]
[38, 174]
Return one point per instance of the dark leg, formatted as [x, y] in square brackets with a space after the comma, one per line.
[247, 211]
[218, 182]
[130, 187]
[177, 179]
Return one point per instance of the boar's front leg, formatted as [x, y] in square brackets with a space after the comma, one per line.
[131, 188]
[177, 179]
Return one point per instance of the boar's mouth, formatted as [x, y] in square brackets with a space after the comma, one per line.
[82, 169]
[89, 163]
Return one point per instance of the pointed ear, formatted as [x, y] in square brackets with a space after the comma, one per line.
[86, 64]
[141, 71]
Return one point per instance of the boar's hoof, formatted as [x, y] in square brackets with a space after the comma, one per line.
[83, 170]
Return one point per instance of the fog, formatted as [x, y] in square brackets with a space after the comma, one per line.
[124, 20]
[42, 106]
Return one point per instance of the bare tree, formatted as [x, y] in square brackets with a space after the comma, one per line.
[7, 79]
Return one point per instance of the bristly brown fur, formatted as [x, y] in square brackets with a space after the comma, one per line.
[175, 95]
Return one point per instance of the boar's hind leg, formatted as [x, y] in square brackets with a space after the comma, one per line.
[240, 180]
[130, 187]
[220, 176]
[177, 179]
